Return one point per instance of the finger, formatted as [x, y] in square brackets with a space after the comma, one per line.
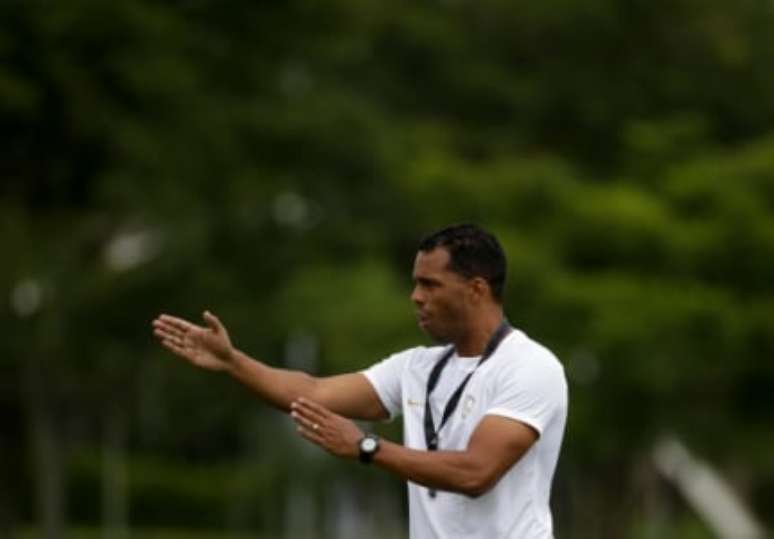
[178, 323]
[305, 422]
[305, 417]
[169, 328]
[173, 347]
[163, 335]
[166, 322]
[301, 407]
[315, 408]
[212, 321]
[171, 332]
[164, 332]
[174, 339]
[311, 435]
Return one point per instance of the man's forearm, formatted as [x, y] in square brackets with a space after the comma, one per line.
[349, 394]
[455, 471]
[278, 387]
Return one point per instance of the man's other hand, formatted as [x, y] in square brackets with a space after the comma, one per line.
[334, 433]
[207, 347]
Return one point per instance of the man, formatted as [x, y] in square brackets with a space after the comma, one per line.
[484, 412]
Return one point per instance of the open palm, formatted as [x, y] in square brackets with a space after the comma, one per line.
[207, 347]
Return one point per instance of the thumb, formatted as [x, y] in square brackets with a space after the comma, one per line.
[212, 321]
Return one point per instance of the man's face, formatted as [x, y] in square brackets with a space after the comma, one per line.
[440, 295]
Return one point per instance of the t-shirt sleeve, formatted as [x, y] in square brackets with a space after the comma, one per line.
[386, 379]
[531, 393]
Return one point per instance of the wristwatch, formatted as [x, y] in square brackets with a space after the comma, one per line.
[369, 445]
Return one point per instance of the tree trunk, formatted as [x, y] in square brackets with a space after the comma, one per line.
[115, 501]
[46, 448]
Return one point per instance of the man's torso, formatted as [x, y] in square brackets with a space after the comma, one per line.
[522, 381]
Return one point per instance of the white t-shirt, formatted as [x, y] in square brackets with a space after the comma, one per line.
[522, 380]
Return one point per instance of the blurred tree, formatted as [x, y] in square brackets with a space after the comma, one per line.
[278, 164]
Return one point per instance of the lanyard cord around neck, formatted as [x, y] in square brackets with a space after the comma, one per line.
[431, 433]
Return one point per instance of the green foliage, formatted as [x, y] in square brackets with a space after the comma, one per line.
[286, 160]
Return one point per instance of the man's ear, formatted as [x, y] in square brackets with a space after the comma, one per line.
[479, 288]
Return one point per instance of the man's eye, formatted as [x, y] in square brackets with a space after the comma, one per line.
[428, 285]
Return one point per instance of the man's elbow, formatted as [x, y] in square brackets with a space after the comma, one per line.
[478, 484]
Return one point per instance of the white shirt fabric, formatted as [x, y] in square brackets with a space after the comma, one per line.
[523, 381]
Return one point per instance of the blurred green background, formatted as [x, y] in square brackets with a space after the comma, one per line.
[277, 163]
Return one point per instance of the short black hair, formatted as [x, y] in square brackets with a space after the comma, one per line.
[473, 252]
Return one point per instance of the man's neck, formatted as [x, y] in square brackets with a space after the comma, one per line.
[481, 329]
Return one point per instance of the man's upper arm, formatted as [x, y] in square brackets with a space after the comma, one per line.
[497, 444]
[350, 395]
[373, 394]
[528, 397]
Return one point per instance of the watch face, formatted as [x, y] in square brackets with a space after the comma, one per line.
[368, 445]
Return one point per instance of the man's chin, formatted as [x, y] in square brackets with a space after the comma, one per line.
[436, 337]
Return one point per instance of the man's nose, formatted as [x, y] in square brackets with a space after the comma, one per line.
[417, 297]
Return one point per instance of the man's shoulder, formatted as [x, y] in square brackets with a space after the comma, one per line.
[520, 351]
[415, 362]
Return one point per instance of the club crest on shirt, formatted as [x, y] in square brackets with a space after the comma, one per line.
[467, 405]
[414, 402]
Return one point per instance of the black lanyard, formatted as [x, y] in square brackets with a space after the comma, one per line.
[431, 434]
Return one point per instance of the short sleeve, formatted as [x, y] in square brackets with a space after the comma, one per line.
[532, 392]
[386, 379]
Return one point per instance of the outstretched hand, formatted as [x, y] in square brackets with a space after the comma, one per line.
[207, 347]
[334, 433]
